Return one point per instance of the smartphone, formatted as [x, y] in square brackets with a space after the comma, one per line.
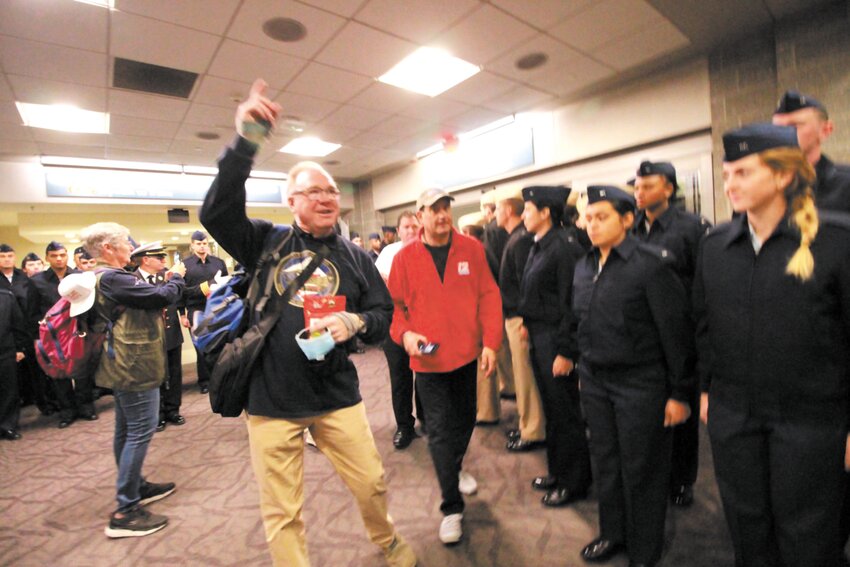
[428, 348]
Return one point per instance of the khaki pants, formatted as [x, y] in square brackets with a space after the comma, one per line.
[504, 369]
[532, 423]
[489, 406]
[277, 455]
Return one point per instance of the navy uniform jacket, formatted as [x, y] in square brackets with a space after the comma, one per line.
[197, 273]
[13, 336]
[634, 313]
[44, 289]
[832, 186]
[495, 239]
[680, 233]
[546, 290]
[769, 343]
[173, 330]
[512, 265]
[284, 384]
[20, 287]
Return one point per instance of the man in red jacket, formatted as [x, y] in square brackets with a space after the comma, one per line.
[448, 311]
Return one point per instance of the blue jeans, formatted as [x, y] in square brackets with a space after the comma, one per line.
[136, 415]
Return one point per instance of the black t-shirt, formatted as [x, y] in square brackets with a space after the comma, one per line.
[440, 254]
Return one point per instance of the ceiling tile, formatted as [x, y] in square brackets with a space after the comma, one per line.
[328, 83]
[479, 88]
[35, 59]
[401, 126]
[410, 146]
[18, 147]
[48, 20]
[197, 147]
[483, 35]
[222, 92]
[435, 110]
[364, 50]
[72, 150]
[475, 118]
[381, 96]
[68, 138]
[189, 132]
[354, 117]
[320, 26]
[604, 21]
[5, 90]
[541, 13]
[43, 91]
[133, 126]
[160, 43]
[211, 116]
[147, 106]
[375, 139]
[9, 114]
[333, 133]
[345, 8]
[279, 162]
[304, 107]
[195, 14]
[141, 143]
[416, 20]
[126, 154]
[193, 158]
[651, 41]
[243, 62]
[517, 100]
[14, 130]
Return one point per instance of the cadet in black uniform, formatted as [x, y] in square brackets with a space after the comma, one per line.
[832, 184]
[772, 301]
[635, 339]
[660, 223]
[201, 269]
[545, 306]
[13, 337]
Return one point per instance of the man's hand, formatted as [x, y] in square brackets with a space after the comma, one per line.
[19, 356]
[703, 407]
[562, 366]
[179, 268]
[488, 361]
[411, 341]
[523, 335]
[341, 326]
[184, 320]
[676, 412]
[847, 454]
[257, 108]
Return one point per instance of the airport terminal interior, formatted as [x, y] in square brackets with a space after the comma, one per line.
[549, 92]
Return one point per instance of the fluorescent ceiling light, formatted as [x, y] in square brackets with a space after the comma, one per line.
[63, 117]
[101, 3]
[109, 164]
[429, 71]
[200, 170]
[486, 128]
[429, 150]
[312, 147]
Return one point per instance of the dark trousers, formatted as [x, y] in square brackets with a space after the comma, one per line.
[686, 447]
[631, 449]
[26, 379]
[449, 401]
[45, 392]
[75, 396]
[567, 451]
[10, 401]
[781, 481]
[401, 386]
[171, 391]
[203, 371]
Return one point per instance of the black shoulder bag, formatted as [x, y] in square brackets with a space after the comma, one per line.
[231, 376]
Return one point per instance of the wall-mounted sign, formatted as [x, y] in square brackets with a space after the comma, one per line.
[118, 184]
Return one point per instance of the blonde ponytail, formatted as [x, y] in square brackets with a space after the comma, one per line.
[805, 217]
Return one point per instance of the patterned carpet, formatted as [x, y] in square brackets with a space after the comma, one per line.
[57, 491]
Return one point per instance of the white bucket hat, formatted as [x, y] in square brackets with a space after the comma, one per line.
[79, 290]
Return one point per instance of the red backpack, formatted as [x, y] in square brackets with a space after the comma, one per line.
[65, 344]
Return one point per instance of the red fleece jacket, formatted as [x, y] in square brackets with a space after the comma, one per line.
[462, 313]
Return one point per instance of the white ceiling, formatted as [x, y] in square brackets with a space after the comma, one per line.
[61, 51]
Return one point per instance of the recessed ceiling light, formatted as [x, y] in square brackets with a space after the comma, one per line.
[208, 135]
[429, 71]
[331, 162]
[63, 117]
[531, 61]
[312, 147]
[284, 29]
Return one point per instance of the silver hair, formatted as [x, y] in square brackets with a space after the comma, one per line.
[100, 233]
[305, 166]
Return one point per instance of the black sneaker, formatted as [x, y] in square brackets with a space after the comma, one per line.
[137, 522]
[151, 491]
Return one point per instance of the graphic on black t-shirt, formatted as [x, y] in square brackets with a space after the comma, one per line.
[323, 281]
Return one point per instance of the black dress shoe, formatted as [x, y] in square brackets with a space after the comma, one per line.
[160, 425]
[10, 434]
[175, 419]
[65, 422]
[205, 389]
[561, 496]
[403, 438]
[486, 422]
[682, 495]
[513, 434]
[522, 446]
[601, 550]
[544, 482]
[88, 416]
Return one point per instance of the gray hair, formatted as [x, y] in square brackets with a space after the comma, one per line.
[305, 166]
[100, 233]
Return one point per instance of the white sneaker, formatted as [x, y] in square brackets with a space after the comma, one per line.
[450, 529]
[466, 483]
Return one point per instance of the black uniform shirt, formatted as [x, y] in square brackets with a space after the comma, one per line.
[284, 384]
[495, 239]
[198, 272]
[20, 287]
[45, 291]
[767, 341]
[832, 186]
[546, 288]
[634, 312]
[680, 233]
[512, 266]
[13, 336]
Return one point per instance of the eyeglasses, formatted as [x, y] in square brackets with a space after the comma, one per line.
[318, 193]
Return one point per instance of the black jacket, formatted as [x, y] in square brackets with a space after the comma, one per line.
[44, 292]
[634, 313]
[13, 335]
[20, 287]
[512, 265]
[495, 239]
[284, 383]
[198, 273]
[767, 341]
[832, 186]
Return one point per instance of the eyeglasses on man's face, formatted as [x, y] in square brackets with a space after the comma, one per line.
[319, 193]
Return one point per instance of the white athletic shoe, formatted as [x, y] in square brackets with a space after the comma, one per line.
[450, 529]
[467, 484]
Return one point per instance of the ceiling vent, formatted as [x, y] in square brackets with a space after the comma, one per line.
[284, 29]
[152, 79]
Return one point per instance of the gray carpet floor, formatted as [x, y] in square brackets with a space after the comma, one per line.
[57, 491]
